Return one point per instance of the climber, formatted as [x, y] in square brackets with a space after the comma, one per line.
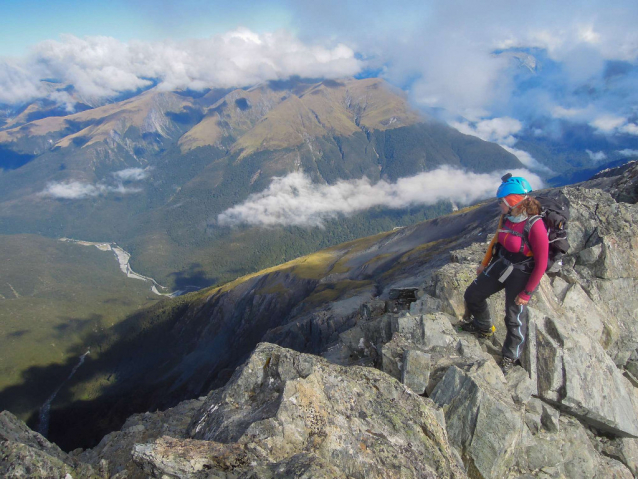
[514, 261]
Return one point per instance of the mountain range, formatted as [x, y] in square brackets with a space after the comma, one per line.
[152, 172]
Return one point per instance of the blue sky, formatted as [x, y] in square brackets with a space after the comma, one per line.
[25, 23]
[523, 63]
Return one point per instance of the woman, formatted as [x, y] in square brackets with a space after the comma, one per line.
[515, 262]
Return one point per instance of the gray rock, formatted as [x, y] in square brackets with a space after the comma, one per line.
[590, 255]
[416, 370]
[575, 373]
[612, 469]
[299, 466]
[550, 418]
[426, 304]
[372, 309]
[569, 454]
[520, 385]
[115, 448]
[27, 454]
[482, 421]
[187, 458]
[281, 403]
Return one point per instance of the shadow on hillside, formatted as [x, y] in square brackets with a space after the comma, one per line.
[194, 277]
[116, 378]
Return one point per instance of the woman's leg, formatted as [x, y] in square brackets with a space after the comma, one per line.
[515, 316]
[476, 296]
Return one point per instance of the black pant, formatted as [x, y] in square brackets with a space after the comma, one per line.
[484, 286]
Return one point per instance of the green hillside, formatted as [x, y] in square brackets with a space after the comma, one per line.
[57, 300]
[199, 164]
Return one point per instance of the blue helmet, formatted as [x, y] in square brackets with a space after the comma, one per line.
[513, 185]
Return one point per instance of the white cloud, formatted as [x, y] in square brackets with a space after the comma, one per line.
[497, 130]
[629, 128]
[131, 174]
[295, 200]
[501, 131]
[560, 112]
[599, 156]
[628, 152]
[73, 190]
[527, 159]
[78, 190]
[608, 123]
[101, 67]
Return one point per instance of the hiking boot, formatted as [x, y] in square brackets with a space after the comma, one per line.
[470, 327]
[507, 364]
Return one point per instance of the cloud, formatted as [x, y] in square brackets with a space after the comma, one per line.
[295, 200]
[102, 67]
[78, 190]
[488, 59]
[132, 174]
[497, 130]
[72, 190]
[501, 131]
[599, 156]
[628, 152]
[610, 124]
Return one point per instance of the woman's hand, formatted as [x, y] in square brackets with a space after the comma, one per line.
[520, 301]
[480, 269]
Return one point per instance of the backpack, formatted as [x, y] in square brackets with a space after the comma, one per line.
[555, 216]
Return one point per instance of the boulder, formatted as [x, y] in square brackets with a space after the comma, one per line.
[483, 422]
[416, 370]
[575, 373]
[27, 454]
[282, 403]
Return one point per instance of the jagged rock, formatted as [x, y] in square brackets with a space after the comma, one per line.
[116, 447]
[372, 309]
[426, 304]
[282, 403]
[188, 458]
[550, 418]
[416, 370]
[575, 373]
[520, 385]
[299, 466]
[27, 454]
[483, 422]
[569, 454]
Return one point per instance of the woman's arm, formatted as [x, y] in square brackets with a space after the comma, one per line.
[488, 254]
[540, 247]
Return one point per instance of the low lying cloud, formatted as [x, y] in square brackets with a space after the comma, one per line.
[78, 190]
[295, 200]
[610, 124]
[628, 152]
[501, 131]
[598, 156]
[497, 130]
[72, 190]
[131, 174]
[102, 67]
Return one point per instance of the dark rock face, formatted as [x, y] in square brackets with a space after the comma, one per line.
[570, 411]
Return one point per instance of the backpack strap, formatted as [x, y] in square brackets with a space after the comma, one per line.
[525, 234]
[528, 227]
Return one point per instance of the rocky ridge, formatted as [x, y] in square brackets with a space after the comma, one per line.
[405, 394]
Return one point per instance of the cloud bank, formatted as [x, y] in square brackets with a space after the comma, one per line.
[295, 200]
[501, 131]
[78, 190]
[103, 67]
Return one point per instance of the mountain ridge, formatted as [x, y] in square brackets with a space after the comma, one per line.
[337, 303]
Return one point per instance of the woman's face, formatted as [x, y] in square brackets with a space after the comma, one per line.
[504, 207]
